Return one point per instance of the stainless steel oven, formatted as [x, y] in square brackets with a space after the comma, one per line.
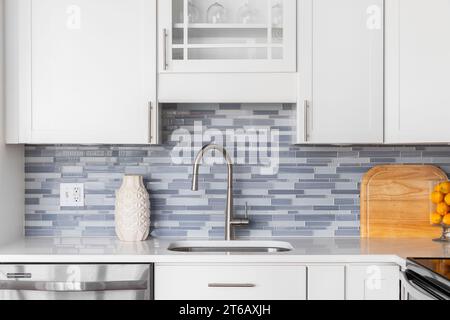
[426, 279]
[76, 282]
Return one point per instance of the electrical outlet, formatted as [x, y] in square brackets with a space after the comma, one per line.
[71, 195]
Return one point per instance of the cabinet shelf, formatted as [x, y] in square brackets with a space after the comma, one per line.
[227, 45]
[223, 26]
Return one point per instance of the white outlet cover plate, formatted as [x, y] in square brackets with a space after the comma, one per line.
[71, 195]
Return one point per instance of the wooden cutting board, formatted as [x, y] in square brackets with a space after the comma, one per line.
[395, 201]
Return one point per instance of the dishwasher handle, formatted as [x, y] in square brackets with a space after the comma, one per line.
[49, 286]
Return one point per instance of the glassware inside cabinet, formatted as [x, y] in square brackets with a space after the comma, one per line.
[227, 30]
[277, 13]
[216, 13]
[246, 13]
[193, 12]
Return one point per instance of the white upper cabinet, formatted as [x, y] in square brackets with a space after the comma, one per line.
[341, 71]
[227, 51]
[417, 71]
[227, 36]
[81, 71]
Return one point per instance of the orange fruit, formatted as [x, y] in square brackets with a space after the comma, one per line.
[445, 187]
[437, 187]
[446, 220]
[438, 197]
[447, 199]
[442, 208]
[436, 218]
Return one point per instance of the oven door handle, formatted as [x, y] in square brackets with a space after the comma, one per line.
[49, 286]
[412, 289]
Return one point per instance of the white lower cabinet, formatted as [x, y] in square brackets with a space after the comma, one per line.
[373, 282]
[230, 282]
[277, 282]
[326, 282]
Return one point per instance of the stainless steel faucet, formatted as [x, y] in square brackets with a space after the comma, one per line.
[230, 221]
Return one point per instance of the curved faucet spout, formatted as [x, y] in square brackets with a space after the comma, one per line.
[198, 159]
[229, 222]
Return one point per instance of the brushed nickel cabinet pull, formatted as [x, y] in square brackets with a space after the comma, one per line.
[306, 110]
[150, 110]
[231, 285]
[165, 38]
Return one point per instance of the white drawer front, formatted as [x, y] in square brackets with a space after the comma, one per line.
[226, 282]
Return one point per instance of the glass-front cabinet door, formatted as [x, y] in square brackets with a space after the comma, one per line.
[228, 35]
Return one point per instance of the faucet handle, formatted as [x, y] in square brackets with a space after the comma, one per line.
[246, 220]
[242, 221]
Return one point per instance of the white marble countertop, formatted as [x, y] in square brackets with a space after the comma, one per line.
[306, 250]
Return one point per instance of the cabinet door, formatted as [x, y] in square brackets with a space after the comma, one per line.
[227, 36]
[341, 71]
[93, 69]
[417, 71]
[326, 282]
[372, 282]
[230, 282]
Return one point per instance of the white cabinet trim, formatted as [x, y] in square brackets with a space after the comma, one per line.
[18, 70]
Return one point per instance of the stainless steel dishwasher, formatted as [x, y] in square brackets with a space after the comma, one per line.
[76, 282]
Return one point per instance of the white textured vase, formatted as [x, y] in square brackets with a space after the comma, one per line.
[132, 210]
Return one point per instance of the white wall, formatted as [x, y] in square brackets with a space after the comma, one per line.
[12, 177]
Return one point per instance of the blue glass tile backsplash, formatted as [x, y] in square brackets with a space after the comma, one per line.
[312, 191]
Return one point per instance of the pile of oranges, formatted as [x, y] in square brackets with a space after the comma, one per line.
[441, 198]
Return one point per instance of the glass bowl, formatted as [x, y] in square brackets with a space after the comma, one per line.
[440, 208]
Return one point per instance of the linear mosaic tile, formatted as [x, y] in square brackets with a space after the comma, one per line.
[314, 192]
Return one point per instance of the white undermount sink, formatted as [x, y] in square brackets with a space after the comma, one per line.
[231, 246]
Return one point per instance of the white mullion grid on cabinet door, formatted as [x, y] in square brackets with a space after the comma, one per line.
[269, 30]
[185, 29]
